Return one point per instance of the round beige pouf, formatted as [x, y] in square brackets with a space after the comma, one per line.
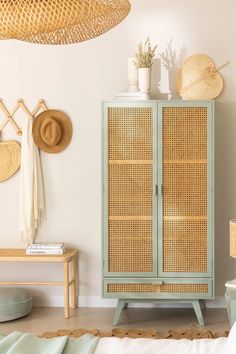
[14, 303]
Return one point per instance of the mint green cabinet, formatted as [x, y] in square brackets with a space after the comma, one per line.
[158, 201]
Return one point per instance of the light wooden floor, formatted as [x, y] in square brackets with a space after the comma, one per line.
[50, 319]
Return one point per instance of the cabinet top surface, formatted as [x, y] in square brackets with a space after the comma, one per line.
[169, 102]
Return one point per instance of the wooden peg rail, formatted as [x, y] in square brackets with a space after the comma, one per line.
[41, 105]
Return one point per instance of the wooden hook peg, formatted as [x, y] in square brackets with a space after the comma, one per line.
[20, 100]
[19, 132]
[42, 101]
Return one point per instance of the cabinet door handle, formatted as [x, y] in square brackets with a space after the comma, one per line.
[159, 189]
[158, 282]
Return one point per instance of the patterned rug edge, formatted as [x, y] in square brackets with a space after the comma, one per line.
[194, 331]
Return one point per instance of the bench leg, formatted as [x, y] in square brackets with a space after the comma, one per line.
[66, 289]
[74, 265]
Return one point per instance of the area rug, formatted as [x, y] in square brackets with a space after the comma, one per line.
[194, 331]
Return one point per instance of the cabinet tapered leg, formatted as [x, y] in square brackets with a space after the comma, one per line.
[198, 312]
[202, 304]
[120, 306]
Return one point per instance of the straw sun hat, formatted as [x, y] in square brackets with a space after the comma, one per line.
[52, 131]
[59, 21]
[198, 78]
[9, 158]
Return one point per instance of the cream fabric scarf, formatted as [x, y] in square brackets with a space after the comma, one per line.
[32, 200]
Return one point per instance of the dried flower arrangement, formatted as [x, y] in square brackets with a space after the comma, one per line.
[145, 54]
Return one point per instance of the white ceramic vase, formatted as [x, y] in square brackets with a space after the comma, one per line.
[144, 82]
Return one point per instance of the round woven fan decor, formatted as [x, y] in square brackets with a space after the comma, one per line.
[10, 153]
[198, 78]
[59, 21]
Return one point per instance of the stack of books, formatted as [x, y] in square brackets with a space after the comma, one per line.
[46, 248]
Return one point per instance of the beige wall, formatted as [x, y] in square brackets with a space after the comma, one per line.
[75, 79]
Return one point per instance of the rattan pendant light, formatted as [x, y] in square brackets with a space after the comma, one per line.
[59, 21]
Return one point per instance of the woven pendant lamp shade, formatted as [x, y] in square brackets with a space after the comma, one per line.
[59, 21]
[232, 238]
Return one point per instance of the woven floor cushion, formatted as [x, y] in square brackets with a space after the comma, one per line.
[14, 303]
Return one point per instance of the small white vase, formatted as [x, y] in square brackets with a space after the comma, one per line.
[132, 76]
[144, 82]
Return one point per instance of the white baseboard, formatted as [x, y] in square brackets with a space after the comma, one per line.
[97, 301]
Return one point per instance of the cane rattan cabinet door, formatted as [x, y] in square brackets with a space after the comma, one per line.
[186, 205]
[129, 185]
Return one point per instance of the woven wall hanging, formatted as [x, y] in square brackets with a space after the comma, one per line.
[59, 21]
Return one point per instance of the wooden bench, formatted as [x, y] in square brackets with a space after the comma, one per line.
[69, 259]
